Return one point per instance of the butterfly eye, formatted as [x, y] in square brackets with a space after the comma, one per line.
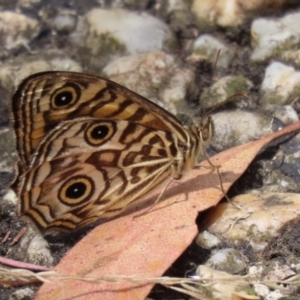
[206, 129]
[64, 97]
[205, 134]
[98, 133]
[76, 190]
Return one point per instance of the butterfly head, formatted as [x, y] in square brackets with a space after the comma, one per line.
[200, 135]
[205, 131]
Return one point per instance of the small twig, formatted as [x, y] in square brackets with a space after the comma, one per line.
[18, 236]
[238, 219]
[6, 237]
[21, 265]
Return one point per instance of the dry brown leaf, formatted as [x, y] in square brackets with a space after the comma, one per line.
[146, 246]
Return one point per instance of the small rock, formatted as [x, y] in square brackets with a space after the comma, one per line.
[228, 260]
[4, 108]
[281, 84]
[271, 271]
[28, 4]
[34, 249]
[178, 14]
[38, 252]
[22, 294]
[207, 45]
[172, 5]
[258, 221]
[286, 114]
[107, 34]
[12, 73]
[291, 57]
[290, 163]
[232, 128]
[155, 75]
[263, 291]
[222, 285]
[11, 198]
[207, 240]
[223, 89]
[132, 4]
[7, 150]
[17, 30]
[210, 13]
[65, 21]
[230, 13]
[272, 36]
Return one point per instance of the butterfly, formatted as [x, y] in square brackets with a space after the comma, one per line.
[88, 147]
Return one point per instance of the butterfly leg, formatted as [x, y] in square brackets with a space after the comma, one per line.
[162, 192]
[213, 167]
[158, 197]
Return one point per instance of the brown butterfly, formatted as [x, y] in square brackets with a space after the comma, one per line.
[88, 147]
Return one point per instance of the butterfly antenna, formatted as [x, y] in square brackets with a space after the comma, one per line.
[213, 73]
[229, 99]
[207, 114]
[215, 64]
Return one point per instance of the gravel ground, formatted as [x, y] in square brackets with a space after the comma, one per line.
[166, 51]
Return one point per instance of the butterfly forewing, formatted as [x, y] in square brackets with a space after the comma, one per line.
[45, 99]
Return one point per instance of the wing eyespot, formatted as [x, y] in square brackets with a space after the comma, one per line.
[65, 97]
[76, 190]
[99, 132]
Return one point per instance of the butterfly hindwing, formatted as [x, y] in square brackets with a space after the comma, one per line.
[83, 168]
